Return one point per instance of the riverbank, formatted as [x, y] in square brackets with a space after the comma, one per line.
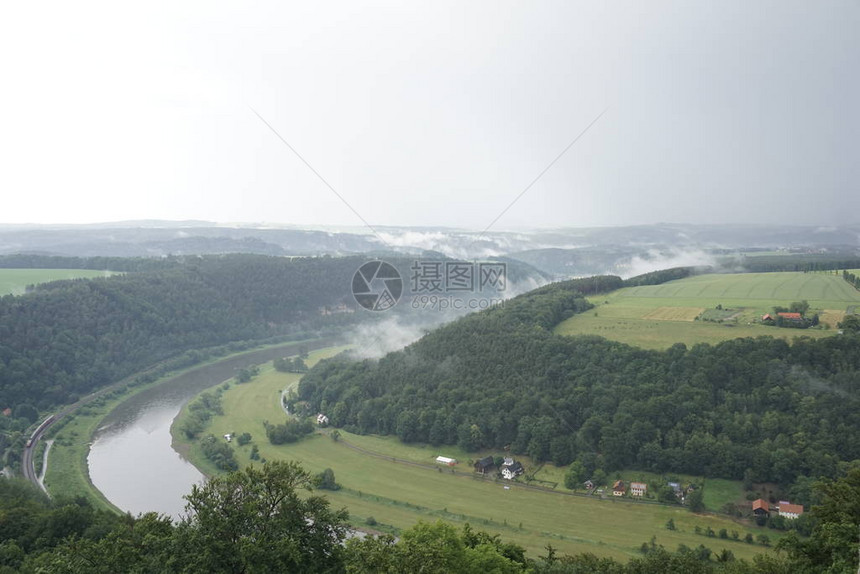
[68, 472]
[249, 406]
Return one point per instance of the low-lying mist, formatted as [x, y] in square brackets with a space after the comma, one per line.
[406, 324]
[655, 260]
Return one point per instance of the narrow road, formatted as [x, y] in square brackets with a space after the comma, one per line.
[48, 444]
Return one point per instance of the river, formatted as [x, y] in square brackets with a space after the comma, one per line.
[131, 460]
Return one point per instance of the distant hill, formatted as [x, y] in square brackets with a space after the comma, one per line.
[567, 252]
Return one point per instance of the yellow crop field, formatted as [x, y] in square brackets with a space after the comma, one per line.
[674, 313]
[831, 316]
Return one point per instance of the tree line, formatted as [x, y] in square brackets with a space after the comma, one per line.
[263, 519]
[760, 408]
[804, 262]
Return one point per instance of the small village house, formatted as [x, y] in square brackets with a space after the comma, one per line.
[638, 488]
[588, 485]
[760, 507]
[511, 469]
[322, 420]
[618, 489]
[791, 316]
[484, 465]
[677, 489]
[446, 460]
[790, 511]
[789, 319]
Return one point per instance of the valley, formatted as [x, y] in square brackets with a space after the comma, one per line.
[389, 486]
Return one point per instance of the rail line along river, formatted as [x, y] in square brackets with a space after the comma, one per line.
[131, 459]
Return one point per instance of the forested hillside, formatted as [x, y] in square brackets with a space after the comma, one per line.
[755, 407]
[68, 338]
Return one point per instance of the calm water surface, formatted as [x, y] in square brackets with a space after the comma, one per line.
[131, 459]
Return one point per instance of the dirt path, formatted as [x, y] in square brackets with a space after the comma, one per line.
[41, 478]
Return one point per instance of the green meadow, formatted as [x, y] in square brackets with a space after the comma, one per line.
[15, 281]
[658, 316]
[397, 485]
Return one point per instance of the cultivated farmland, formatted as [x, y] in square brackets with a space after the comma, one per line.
[658, 316]
[15, 281]
[675, 313]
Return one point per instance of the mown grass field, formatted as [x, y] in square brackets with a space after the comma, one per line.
[658, 316]
[397, 494]
[15, 281]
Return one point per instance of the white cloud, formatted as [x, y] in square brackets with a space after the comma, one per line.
[656, 260]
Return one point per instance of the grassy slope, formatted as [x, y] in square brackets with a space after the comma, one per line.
[397, 495]
[14, 281]
[67, 474]
[619, 315]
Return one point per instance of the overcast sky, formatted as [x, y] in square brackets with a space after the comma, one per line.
[438, 113]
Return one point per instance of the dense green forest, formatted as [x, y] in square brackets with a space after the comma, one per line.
[802, 262]
[256, 521]
[756, 408]
[68, 338]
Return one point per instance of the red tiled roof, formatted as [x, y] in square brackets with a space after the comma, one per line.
[790, 315]
[760, 504]
[792, 508]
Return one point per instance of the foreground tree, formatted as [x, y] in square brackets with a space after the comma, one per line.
[435, 548]
[575, 475]
[833, 546]
[251, 521]
[850, 323]
[256, 521]
[696, 500]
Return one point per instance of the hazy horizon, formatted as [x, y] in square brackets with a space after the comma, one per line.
[434, 116]
[364, 230]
